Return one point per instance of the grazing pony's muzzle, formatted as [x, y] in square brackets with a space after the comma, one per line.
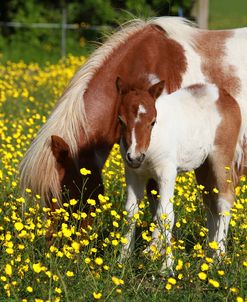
[135, 162]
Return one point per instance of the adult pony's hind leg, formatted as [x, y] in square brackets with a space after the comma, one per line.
[216, 177]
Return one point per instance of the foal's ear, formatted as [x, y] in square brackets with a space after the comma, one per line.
[122, 86]
[60, 148]
[156, 89]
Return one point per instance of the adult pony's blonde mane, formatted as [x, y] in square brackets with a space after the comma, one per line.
[38, 168]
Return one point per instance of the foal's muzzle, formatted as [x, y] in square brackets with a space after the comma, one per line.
[135, 162]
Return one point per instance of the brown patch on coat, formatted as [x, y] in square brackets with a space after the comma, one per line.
[228, 130]
[213, 173]
[210, 45]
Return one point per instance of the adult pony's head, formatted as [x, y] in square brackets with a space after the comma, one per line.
[72, 182]
[69, 176]
[137, 115]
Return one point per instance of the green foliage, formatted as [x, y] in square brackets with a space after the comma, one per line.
[37, 44]
[30, 44]
[227, 14]
[93, 12]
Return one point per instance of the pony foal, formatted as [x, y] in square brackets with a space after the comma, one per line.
[196, 127]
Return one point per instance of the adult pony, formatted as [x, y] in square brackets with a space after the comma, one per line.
[178, 132]
[84, 125]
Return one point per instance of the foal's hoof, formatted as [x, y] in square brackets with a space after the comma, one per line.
[147, 252]
[167, 268]
[167, 273]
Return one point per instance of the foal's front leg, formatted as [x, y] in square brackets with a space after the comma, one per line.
[164, 216]
[135, 192]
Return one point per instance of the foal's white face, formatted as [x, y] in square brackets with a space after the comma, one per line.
[137, 115]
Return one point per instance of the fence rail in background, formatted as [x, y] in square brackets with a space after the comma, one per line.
[63, 26]
[200, 12]
[54, 25]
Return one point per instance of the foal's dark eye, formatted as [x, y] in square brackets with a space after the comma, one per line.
[153, 123]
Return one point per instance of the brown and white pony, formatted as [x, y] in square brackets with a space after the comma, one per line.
[83, 126]
[179, 132]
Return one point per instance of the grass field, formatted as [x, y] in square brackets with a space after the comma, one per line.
[82, 265]
[227, 14]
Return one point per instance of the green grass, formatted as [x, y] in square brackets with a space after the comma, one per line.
[227, 14]
[70, 270]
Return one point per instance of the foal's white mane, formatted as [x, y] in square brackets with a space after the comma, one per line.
[38, 168]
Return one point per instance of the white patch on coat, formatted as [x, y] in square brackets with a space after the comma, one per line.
[193, 73]
[132, 147]
[153, 78]
[141, 110]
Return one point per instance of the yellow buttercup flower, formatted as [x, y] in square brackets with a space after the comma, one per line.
[204, 267]
[97, 296]
[85, 171]
[29, 289]
[18, 226]
[117, 281]
[172, 281]
[213, 245]
[37, 267]
[202, 276]
[73, 202]
[124, 240]
[179, 266]
[69, 274]
[214, 283]
[8, 270]
[98, 261]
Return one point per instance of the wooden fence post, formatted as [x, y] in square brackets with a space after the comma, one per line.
[63, 32]
[202, 13]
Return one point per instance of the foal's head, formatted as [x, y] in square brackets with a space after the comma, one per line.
[137, 115]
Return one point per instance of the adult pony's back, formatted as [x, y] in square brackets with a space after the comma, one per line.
[84, 125]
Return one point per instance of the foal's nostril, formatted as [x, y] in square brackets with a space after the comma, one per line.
[142, 156]
[128, 157]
